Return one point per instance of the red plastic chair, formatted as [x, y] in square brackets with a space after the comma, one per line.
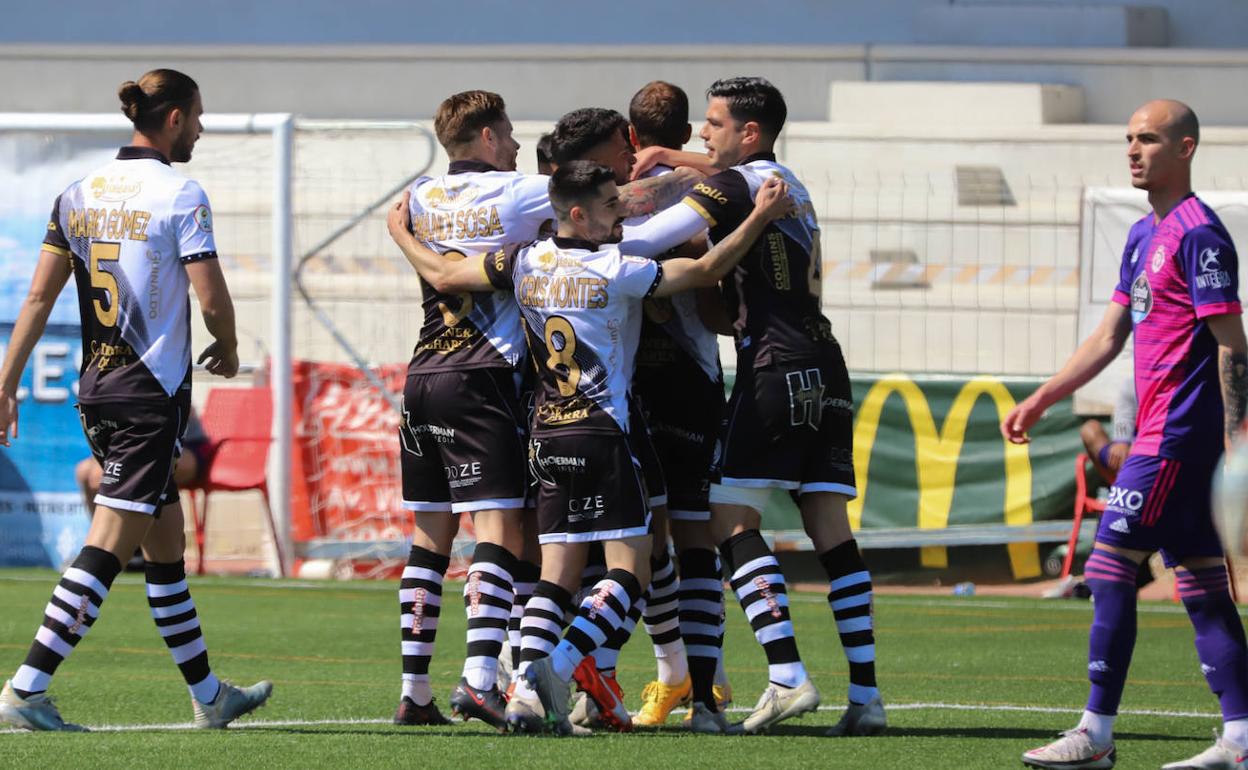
[1083, 504]
[237, 422]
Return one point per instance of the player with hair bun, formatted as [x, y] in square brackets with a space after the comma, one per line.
[134, 234]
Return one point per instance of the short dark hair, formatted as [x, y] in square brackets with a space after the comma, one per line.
[659, 113]
[575, 182]
[752, 98]
[461, 117]
[148, 102]
[544, 145]
[582, 130]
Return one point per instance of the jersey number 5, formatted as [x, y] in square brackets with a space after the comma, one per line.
[561, 343]
[102, 279]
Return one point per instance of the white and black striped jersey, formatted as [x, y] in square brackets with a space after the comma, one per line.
[471, 209]
[773, 294]
[128, 228]
[582, 312]
[672, 333]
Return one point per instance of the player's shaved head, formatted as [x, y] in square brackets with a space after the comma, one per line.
[1177, 119]
[1162, 136]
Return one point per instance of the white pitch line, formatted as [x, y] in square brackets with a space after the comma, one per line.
[227, 582]
[1027, 603]
[1061, 605]
[937, 706]
[1019, 603]
[917, 706]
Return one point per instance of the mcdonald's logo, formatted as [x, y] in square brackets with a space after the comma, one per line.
[936, 461]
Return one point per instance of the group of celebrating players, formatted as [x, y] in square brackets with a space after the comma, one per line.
[571, 319]
[566, 391]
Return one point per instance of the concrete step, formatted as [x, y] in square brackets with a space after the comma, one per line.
[954, 104]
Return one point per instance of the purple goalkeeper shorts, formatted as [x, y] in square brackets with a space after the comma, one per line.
[1158, 503]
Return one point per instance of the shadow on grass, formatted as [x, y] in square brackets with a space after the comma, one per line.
[781, 731]
[1039, 735]
[405, 733]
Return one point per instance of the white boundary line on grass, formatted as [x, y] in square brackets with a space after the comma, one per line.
[804, 597]
[935, 706]
[919, 706]
[1023, 603]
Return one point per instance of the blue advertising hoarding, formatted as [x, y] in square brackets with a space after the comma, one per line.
[43, 521]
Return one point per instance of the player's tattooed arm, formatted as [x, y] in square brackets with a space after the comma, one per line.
[450, 272]
[646, 196]
[1233, 367]
[1232, 370]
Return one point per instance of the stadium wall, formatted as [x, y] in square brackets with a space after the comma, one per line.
[284, 22]
[544, 81]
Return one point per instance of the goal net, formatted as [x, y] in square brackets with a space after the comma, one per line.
[306, 206]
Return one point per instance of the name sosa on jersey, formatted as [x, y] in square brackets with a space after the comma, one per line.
[462, 225]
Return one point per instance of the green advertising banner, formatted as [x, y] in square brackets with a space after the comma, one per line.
[928, 454]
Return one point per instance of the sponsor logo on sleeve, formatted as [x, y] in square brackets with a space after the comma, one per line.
[203, 218]
[1212, 276]
[710, 192]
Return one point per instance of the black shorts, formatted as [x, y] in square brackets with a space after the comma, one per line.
[462, 442]
[528, 406]
[791, 426]
[590, 487]
[136, 444]
[684, 419]
[644, 449]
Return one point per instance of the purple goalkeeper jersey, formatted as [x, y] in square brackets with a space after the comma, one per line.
[1175, 273]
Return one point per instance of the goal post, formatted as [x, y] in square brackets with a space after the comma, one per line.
[85, 137]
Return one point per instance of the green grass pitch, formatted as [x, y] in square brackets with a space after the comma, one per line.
[971, 683]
